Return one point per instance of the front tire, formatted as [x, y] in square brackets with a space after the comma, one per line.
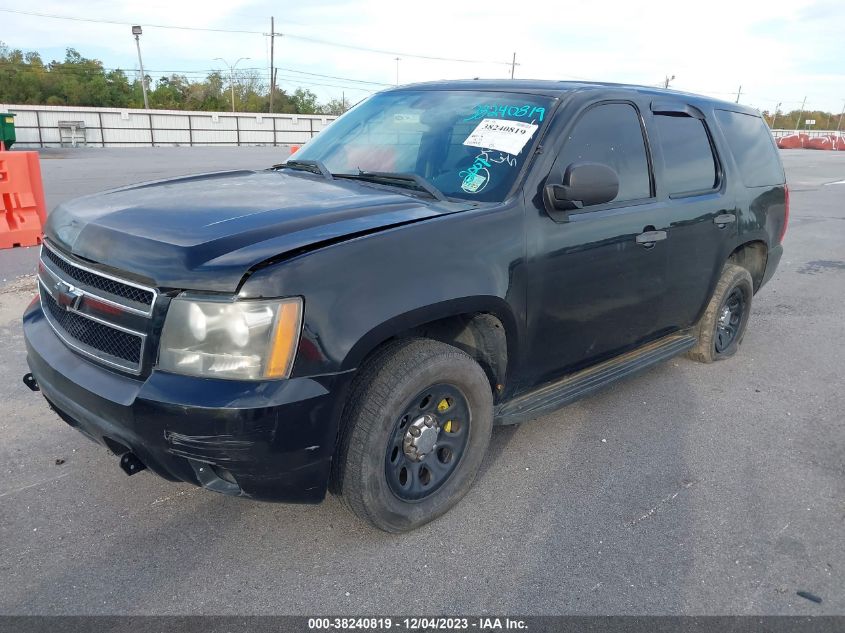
[416, 428]
[723, 324]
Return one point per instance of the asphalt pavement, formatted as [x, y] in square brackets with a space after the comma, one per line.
[689, 489]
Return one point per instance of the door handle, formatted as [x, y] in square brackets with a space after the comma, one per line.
[649, 238]
[724, 219]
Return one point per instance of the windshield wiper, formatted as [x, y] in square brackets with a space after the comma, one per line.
[414, 181]
[314, 166]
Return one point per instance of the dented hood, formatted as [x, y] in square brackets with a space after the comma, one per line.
[205, 232]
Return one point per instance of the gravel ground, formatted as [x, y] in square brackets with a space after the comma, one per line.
[689, 489]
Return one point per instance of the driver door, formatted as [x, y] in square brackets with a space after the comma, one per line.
[594, 289]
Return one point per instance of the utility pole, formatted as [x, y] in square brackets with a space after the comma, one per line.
[136, 31]
[398, 59]
[798, 122]
[273, 70]
[775, 115]
[513, 65]
[738, 93]
[667, 80]
[840, 117]
[232, 74]
[272, 59]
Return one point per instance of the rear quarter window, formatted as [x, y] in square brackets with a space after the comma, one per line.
[689, 164]
[752, 147]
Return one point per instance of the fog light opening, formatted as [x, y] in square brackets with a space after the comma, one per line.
[224, 474]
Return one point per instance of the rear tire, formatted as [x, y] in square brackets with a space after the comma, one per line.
[721, 328]
[391, 478]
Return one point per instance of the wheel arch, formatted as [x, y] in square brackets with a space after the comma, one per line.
[752, 256]
[484, 327]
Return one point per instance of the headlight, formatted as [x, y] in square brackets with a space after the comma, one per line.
[227, 338]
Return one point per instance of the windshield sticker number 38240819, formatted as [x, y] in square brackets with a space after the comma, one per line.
[501, 135]
[535, 113]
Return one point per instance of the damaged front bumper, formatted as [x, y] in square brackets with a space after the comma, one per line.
[270, 440]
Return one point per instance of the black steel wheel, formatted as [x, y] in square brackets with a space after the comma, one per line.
[721, 328]
[730, 319]
[428, 442]
[414, 433]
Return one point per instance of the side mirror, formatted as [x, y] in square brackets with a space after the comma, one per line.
[584, 184]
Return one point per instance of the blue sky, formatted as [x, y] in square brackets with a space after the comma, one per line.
[777, 51]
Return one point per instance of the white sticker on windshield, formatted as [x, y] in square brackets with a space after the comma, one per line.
[473, 183]
[501, 135]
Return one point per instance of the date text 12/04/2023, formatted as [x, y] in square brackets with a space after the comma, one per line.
[417, 623]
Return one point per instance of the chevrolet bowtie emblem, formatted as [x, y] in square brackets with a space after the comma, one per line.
[67, 296]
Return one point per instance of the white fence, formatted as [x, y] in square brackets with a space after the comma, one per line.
[65, 126]
[810, 133]
[60, 126]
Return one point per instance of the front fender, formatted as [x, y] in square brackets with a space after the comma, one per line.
[428, 314]
[361, 292]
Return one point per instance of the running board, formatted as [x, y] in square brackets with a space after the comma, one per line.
[553, 396]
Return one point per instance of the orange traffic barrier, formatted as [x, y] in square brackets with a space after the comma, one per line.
[294, 149]
[22, 208]
[830, 141]
[801, 140]
[793, 141]
[819, 142]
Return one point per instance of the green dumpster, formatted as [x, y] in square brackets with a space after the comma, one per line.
[7, 129]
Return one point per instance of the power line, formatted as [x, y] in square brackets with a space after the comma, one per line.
[294, 36]
[119, 23]
[297, 81]
[382, 51]
[207, 71]
[49, 67]
[302, 72]
[192, 76]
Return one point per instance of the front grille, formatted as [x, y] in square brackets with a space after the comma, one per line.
[94, 335]
[105, 284]
[97, 315]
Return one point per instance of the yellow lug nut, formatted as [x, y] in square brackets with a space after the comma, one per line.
[442, 405]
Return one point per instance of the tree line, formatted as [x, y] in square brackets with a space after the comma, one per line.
[796, 120]
[79, 81]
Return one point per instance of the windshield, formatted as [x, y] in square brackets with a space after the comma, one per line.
[467, 144]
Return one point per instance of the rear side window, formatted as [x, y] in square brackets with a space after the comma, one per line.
[611, 134]
[752, 148]
[689, 164]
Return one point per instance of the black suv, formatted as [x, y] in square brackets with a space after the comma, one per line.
[443, 258]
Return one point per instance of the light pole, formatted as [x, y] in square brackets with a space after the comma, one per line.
[136, 31]
[775, 115]
[798, 122]
[232, 74]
